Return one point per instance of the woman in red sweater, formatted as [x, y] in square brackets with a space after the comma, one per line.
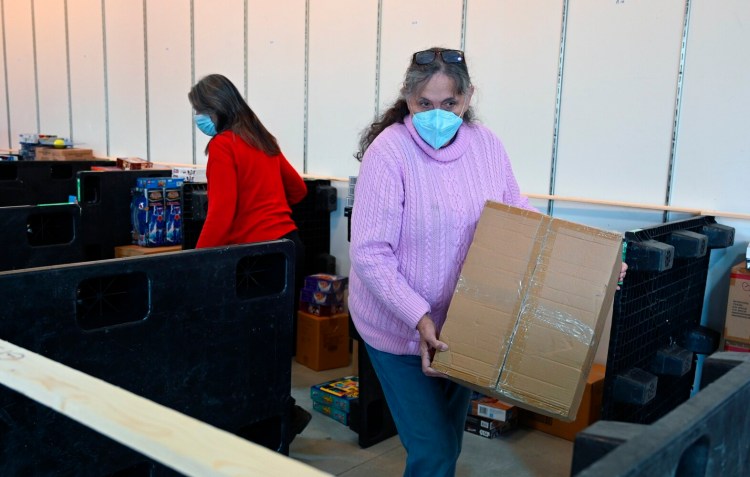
[251, 185]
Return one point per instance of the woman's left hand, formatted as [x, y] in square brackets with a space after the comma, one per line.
[428, 344]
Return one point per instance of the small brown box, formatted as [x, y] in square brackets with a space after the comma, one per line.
[136, 250]
[133, 163]
[322, 341]
[65, 154]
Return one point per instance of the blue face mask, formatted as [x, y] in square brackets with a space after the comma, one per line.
[204, 123]
[436, 126]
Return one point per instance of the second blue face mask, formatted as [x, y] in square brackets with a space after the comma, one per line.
[205, 124]
[436, 126]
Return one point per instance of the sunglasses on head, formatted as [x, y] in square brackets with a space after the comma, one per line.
[448, 56]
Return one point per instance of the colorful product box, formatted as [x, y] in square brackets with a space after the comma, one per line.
[488, 428]
[339, 393]
[323, 310]
[173, 215]
[326, 283]
[321, 298]
[332, 412]
[493, 409]
[149, 212]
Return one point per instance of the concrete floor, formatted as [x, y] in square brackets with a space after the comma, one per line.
[332, 447]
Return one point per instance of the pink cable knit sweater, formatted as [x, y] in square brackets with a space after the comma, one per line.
[413, 220]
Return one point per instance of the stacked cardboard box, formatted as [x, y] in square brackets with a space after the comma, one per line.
[324, 295]
[64, 154]
[489, 417]
[323, 323]
[334, 398]
[737, 322]
[588, 413]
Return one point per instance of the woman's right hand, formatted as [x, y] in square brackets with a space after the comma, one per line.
[428, 344]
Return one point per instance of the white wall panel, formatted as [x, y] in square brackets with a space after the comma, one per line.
[52, 67]
[714, 124]
[513, 50]
[276, 71]
[169, 56]
[219, 47]
[341, 82]
[409, 27]
[618, 97]
[713, 151]
[19, 48]
[88, 99]
[5, 141]
[126, 81]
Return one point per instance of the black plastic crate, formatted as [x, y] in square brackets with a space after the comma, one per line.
[656, 317]
[205, 332]
[40, 182]
[104, 197]
[35, 236]
[312, 216]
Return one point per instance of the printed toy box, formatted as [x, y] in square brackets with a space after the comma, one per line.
[326, 283]
[151, 212]
[338, 393]
[321, 298]
[332, 412]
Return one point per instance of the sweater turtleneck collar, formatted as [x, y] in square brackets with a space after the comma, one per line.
[447, 153]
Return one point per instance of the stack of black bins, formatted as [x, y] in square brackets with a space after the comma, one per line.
[656, 332]
[205, 332]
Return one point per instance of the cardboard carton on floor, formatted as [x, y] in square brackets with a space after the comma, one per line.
[588, 412]
[529, 308]
[737, 322]
[322, 341]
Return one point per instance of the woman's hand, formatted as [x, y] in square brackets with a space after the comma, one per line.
[428, 344]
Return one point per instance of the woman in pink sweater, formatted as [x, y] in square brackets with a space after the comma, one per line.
[427, 171]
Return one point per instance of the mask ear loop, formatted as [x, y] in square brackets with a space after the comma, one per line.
[465, 107]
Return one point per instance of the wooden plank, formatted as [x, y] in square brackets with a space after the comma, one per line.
[174, 439]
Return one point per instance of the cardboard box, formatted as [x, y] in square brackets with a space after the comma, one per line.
[190, 173]
[588, 413]
[488, 428]
[322, 341]
[65, 154]
[736, 346]
[136, 251]
[529, 308]
[332, 412]
[156, 216]
[321, 298]
[492, 408]
[133, 163]
[326, 283]
[737, 322]
[323, 310]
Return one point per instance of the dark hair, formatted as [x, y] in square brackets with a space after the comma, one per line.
[216, 95]
[416, 76]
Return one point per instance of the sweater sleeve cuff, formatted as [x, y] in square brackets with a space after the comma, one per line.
[413, 309]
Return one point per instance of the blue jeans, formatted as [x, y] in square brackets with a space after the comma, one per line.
[429, 413]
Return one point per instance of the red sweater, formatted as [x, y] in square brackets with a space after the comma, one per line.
[249, 194]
